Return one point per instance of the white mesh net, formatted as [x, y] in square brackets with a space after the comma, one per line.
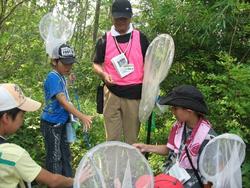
[112, 161]
[158, 60]
[221, 159]
[55, 29]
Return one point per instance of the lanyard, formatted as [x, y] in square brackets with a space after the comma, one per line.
[129, 44]
[64, 83]
[185, 133]
[190, 161]
[183, 142]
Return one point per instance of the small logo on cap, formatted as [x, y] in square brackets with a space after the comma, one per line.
[66, 52]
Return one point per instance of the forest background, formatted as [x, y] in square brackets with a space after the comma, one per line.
[212, 52]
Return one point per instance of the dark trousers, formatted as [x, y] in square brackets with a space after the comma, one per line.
[58, 156]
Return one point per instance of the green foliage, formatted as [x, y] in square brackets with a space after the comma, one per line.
[227, 89]
[212, 52]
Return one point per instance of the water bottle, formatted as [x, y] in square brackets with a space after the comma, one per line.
[71, 133]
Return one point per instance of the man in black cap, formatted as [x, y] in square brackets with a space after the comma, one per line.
[119, 60]
[188, 136]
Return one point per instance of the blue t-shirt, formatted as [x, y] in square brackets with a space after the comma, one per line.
[53, 112]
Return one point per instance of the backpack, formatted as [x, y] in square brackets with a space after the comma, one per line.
[166, 181]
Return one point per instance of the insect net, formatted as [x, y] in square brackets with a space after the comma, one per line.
[221, 159]
[158, 60]
[55, 29]
[112, 161]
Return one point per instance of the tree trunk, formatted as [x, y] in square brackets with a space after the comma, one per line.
[96, 22]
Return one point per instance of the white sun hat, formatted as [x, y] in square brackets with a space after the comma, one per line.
[11, 96]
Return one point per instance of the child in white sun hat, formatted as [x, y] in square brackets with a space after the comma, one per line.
[17, 168]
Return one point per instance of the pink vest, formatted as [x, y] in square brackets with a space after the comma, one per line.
[133, 54]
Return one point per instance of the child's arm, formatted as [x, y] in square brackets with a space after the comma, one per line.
[158, 149]
[53, 180]
[57, 180]
[85, 119]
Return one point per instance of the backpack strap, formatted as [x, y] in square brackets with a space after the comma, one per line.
[189, 158]
[2, 140]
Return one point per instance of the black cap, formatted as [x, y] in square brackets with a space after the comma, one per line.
[186, 96]
[121, 9]
[64, 53]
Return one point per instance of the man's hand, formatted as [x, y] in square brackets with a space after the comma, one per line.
[107, 79]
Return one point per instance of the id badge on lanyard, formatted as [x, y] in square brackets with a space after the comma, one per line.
[123, 68]
[176, 170]
[120, 62]
[179, 172]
